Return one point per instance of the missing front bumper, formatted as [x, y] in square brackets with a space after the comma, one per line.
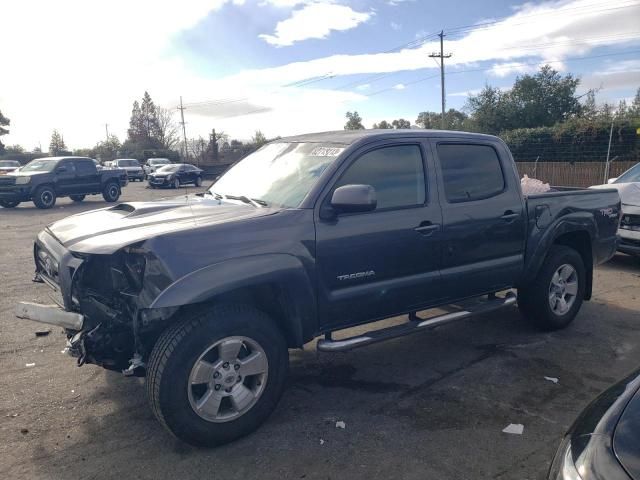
[49, 314]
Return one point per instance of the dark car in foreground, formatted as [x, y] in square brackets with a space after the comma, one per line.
[604, 442]
[174, 175]
[45, 179]
[307, 236]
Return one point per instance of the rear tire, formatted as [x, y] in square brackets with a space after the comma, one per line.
[176, 184]
[186, 364]
[44, 197]
[77, 198]
[111, 192]
[9, 203]
[552, 301]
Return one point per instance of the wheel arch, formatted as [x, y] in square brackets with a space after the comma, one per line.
[577, 233]
[276, 284]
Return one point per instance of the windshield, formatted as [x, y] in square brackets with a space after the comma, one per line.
[279, 174]
[158, 161]
[168, 168]
[631, 175]
[9, 163]
[41, 165]
[128, 163]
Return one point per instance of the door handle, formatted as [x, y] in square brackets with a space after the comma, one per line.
[510, 215]
[427, 228]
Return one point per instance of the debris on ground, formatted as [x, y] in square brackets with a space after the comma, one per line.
[29, 365]
[321, 442]
[514, 428]
[341, 424]
[24, 431]
[42, 333]
[551, 379]
[11, 415]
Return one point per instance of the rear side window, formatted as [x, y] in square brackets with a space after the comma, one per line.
[396, 173]
[85, 167]
[470, 172]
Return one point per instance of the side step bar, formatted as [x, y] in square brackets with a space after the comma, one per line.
[375, 336]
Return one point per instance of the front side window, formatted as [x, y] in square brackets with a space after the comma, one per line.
[85, 167]
[396, 173]
[470, 172]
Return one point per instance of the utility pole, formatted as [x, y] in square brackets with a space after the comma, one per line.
[184, 131]
[441, 56]
[607, 165]
[106, 130]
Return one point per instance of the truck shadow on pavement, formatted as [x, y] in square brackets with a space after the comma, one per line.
[451, 391]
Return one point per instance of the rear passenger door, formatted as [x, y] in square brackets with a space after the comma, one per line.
[88, 179]
[483, 217]
[386, 261]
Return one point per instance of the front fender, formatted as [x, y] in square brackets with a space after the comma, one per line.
[285, 271]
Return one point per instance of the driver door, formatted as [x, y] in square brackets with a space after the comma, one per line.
[383, 262]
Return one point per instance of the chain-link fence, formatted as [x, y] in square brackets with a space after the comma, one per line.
[577, 174]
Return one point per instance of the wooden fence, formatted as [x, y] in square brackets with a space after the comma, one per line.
[580, 174]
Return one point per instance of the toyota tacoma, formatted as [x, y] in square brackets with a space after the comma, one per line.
[309, 235]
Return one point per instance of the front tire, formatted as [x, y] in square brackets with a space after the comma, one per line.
[77, 198]
[198, 181]
[217, 375]
[176, 183]
[44, 197]
[111, 192]
[9, 203]
[555, 296]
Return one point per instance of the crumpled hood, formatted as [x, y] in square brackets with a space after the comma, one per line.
[106, 230]
[629, 192]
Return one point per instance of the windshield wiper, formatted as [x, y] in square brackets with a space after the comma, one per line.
[245, 199]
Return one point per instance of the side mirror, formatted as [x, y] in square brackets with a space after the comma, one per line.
[611, 180]
[62, 169]
[354, 198]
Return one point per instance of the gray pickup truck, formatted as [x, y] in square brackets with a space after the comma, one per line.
[307, 236]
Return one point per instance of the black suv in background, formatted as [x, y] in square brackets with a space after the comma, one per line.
[45, 179]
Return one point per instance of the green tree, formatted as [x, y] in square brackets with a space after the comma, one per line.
[106, 150]
[383, 125]
[56, 145]
[258, 139]
[401, 123]
[4, 122]
[354, 121]
[145, 130]
[539, 100]
[454, 120]
[14, 149]
[634, 108]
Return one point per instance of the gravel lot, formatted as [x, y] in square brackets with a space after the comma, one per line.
[429, 406]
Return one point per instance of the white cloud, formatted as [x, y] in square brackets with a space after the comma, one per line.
[399, 86]
[315, 20]
[508, 68]
[395, 26]
[364, 86]
[81, 64]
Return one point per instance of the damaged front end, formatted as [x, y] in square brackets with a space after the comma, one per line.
[101, 302]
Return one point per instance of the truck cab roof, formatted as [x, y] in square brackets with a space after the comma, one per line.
[349, 137]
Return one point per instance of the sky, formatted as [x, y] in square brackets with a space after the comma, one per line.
[290, 66]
